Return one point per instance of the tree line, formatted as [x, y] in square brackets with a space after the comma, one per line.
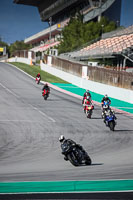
[16, 46]
[76, 33]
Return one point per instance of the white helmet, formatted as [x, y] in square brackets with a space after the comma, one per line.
[61, 138]
[87, 91]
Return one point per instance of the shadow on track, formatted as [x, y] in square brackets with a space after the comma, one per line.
[95, 164]
[96, 118]
[123, 131]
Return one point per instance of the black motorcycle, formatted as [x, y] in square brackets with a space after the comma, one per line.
[75, 155]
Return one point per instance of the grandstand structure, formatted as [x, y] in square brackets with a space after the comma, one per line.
[116, 45]
[57, 13]
[60, 10]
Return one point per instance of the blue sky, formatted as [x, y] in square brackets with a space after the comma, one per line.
[18, 22]
[127, 13]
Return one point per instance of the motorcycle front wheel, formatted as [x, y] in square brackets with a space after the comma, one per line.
[111, 125]
[45, 97]
[89, 113]
[88, 161]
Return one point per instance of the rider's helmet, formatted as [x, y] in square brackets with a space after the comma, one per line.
[105, 96]
[61, 138]
[87, 92]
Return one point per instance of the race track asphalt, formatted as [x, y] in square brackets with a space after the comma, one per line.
[30, 128]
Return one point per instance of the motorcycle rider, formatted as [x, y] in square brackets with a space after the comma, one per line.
[87, 93]
[87, 102]
[62, 140]
[106, 98]
[38, 76]
[109, 112]
[104, 110]
[46, 87]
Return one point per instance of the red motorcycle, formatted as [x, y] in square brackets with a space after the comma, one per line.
[88, 107]
[89, 110]
[45, 94]
[38, 80]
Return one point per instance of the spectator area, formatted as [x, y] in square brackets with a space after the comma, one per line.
[108, 46]
[45, 46]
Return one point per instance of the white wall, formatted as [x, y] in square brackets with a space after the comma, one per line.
[114, 92]
[18, 59]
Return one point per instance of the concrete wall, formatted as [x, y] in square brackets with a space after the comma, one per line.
[114, 92]
[100, 88]
[110, 76]
[22, 60]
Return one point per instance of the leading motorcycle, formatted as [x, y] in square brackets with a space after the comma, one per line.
[37, 80]
[75, 155]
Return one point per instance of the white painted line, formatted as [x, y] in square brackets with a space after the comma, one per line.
[21, 70]
[75, 191]
[125, 107]
[9, 90]
[42, 113]
[50, 118]
[68, 86]
[16, 120]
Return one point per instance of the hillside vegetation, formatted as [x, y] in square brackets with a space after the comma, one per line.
[76, 33]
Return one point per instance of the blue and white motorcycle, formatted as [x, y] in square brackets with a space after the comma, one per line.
[110, 119]
[105, 107]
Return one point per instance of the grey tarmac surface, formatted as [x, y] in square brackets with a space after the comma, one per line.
[30, 128]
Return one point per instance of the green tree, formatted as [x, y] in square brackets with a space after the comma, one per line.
[4, 44]
[77, 33]
[19, 45]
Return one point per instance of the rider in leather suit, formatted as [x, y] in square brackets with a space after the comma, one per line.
[62, 140]
[105, 111]
[87, 102]
[46, 87]
[38, 76]
[87, 93]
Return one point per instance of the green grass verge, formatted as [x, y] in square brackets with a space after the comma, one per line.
[33, 70]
